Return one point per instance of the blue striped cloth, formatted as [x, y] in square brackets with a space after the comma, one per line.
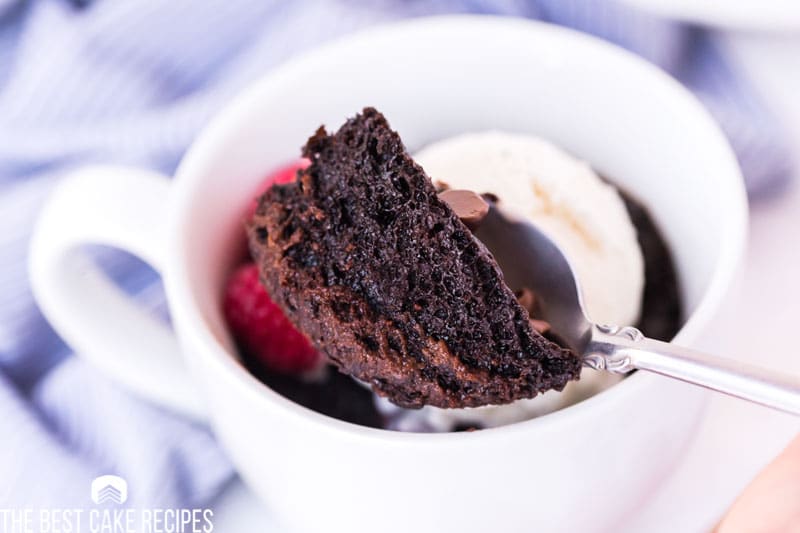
[132, 82]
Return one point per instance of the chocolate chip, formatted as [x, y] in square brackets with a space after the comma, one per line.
[490, 197]
[467, 205]
[542, 326]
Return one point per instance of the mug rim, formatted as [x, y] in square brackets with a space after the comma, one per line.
[186, 308]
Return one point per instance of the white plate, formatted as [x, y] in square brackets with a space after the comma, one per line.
[761, 15]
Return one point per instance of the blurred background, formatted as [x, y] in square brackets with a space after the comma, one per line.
[132, 82]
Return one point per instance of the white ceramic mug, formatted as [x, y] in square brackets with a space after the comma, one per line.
[580, 469]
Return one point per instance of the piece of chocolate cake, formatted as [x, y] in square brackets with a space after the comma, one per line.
[380, 273]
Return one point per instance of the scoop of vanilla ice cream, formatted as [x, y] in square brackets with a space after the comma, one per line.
[583, 215]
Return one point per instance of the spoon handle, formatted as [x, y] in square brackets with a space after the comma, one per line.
[621, 350]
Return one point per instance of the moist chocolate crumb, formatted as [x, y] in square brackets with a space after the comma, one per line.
[365, 259]
[341, 397]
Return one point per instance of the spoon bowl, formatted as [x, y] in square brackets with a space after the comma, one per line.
[529, 258]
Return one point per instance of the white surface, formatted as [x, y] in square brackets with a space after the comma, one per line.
[762, 15]
[736, 439]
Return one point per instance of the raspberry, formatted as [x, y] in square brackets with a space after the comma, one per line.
[261, 328]
[287, 173]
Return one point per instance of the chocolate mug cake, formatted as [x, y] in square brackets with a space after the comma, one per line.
[371, 261]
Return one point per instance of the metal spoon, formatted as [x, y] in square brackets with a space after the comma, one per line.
[530, 259]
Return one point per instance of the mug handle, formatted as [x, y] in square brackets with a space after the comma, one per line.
[126, 209]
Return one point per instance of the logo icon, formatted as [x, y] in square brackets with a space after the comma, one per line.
[109, 488]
